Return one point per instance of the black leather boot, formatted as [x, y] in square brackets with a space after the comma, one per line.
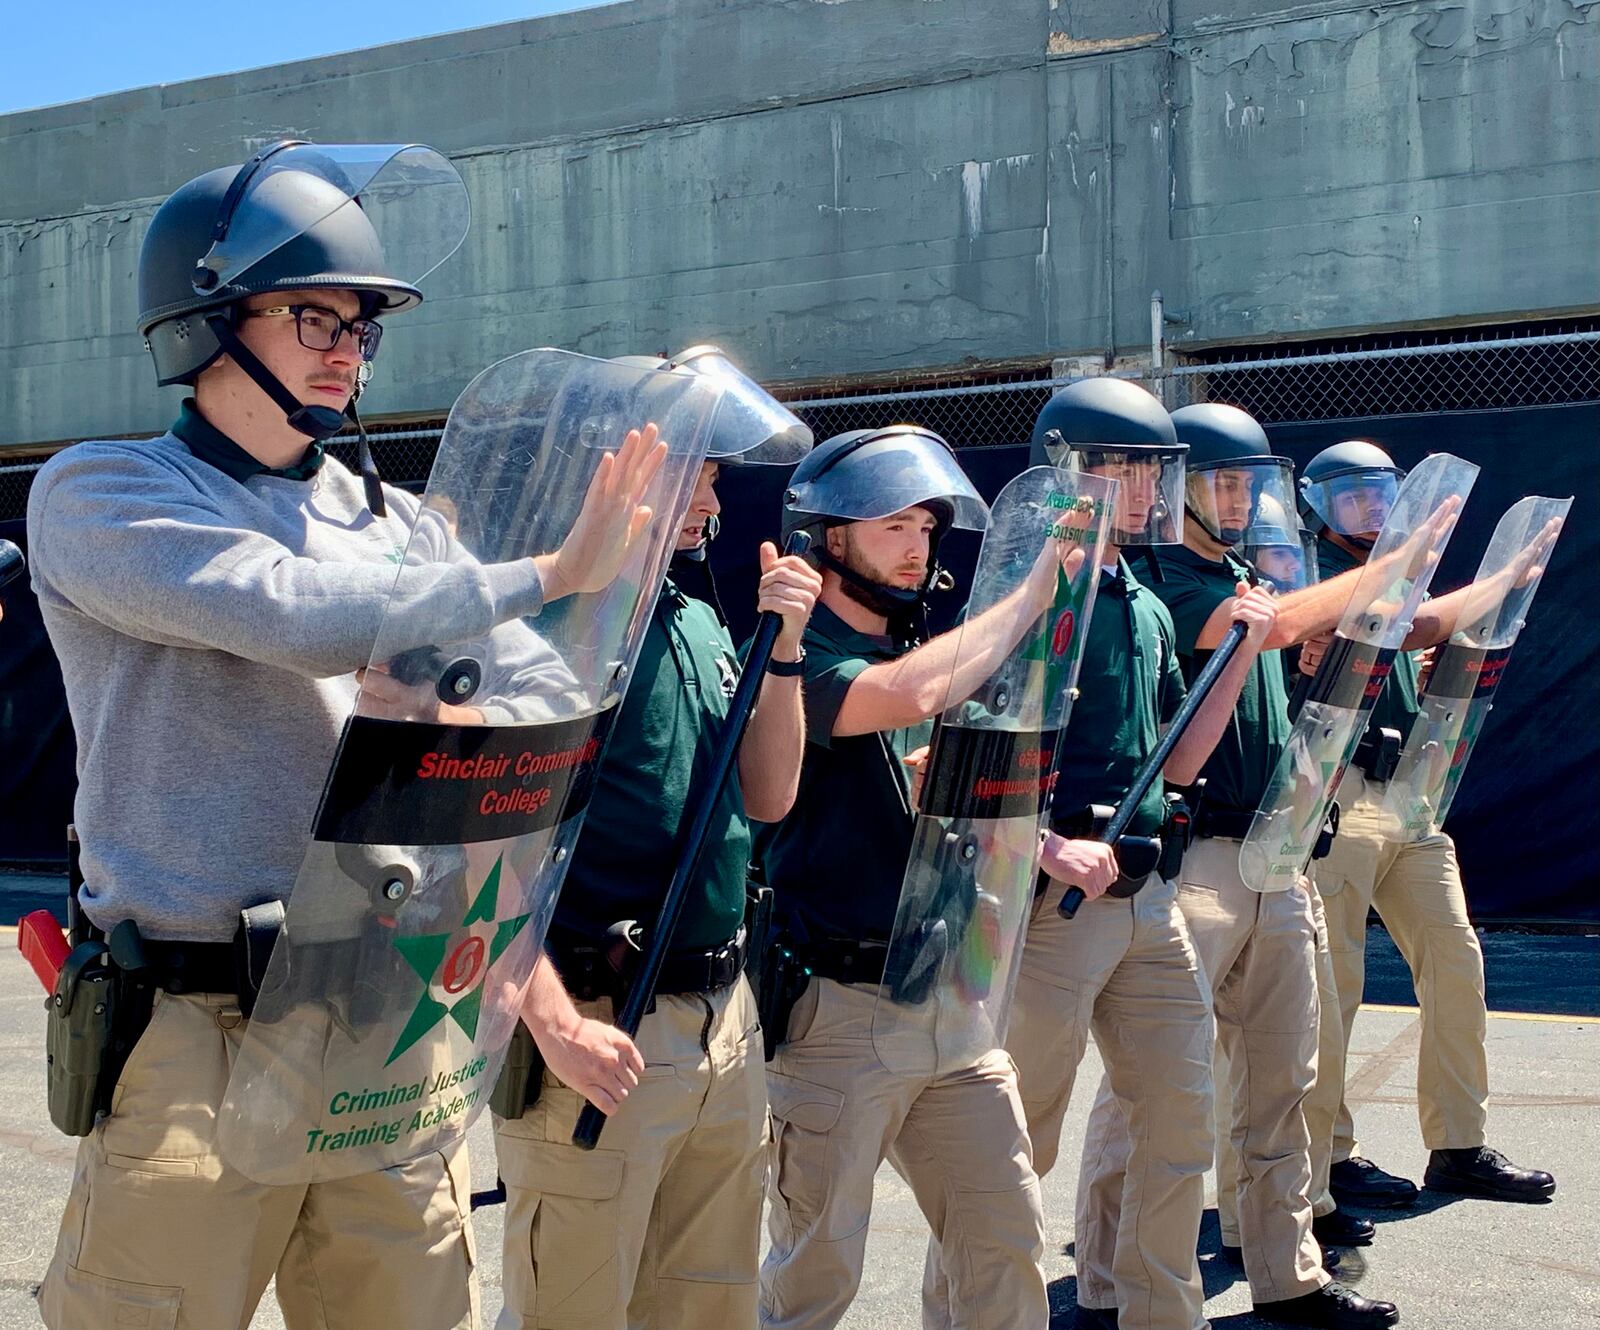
[1341, 1230]
[1361, 1183]
[1331, 1307]
[1487, 1173]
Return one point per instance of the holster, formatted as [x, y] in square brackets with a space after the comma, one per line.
[96, 1014]
[1379, 754]
[521, 1076]
[1177, 834]
[1329, 832]
[912, 971]
[757, 931]
[784, 977]
[257, 935]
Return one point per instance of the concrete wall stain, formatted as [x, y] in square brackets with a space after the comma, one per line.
[843, 190]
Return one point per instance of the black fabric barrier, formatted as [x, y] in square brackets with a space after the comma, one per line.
[36, 742]
[1525, 820]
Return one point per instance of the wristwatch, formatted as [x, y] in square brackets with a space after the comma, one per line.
[787, 669]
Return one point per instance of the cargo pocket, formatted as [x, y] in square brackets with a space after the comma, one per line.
[144, 1048]
[163, 1117]
[803, 1117]
[572, 1226]
[78, 1298]
[1331, 884]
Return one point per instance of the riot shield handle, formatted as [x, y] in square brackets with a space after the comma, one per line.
[642, 991]
[11, 563]
[1145, 777]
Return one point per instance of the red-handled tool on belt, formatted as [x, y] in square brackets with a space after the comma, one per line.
[43, 945]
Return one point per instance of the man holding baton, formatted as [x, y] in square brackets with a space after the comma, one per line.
[1125, 967]
[879, 503]
[666, 1212]
[1258, 951]
[1346, 494]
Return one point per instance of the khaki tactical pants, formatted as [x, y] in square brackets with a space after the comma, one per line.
[1259, 955]
[660, 1225]
[161, 1233]
[1126, 971]
[1416, 889]
[958, 1139]
[1330, 1062]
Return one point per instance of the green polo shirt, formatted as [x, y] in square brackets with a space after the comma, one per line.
[1397, 704]
[836, 862]
[211, 445]
[659, 757]
[1129, 684]
[1241, 766]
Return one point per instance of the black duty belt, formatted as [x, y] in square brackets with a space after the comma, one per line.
[847, 960]
[1220, 820]
[590, 968]
[193, 967]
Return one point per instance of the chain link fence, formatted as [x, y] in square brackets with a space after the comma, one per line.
[1409, 376]
[1418, 377]
[1479, 375]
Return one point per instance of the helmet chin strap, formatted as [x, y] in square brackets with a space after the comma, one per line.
[700, 552]
[876, 596]
[318, 423]
[1228, 536]
[905, 608]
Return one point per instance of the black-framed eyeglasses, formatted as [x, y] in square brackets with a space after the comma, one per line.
[320, 328]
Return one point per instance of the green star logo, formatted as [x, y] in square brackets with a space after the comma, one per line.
[454, 965]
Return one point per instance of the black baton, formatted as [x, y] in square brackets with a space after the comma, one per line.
[11, 563]
[1302, 690]
[642, 991]
[1146, 775]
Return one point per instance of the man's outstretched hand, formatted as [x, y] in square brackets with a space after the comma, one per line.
[613, 518]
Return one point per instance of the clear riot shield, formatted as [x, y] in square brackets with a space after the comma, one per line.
[952, 959]
[1393, 581]
[439, 845]
[1467, 669]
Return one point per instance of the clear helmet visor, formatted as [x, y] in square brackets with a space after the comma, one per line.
[1275, 544]
[886, 473]
[1226, 499]
[412, 195]
[1149, 502]
[1353, 503]
[751, 427]
[1282, 565]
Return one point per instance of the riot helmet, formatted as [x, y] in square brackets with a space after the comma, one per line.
[370, 218]
[1278, 547]
[1350, 489]
[751, 426]
[1114, 428]
[867, 474]
[1231, 468]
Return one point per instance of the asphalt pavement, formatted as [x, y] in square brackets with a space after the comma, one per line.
[1449, 1263]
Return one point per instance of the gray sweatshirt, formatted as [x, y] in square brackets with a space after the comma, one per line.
[208, 631]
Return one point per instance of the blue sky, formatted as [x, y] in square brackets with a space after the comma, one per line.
[66, 50]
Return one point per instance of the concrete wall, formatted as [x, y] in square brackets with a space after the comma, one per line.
[856, 187]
